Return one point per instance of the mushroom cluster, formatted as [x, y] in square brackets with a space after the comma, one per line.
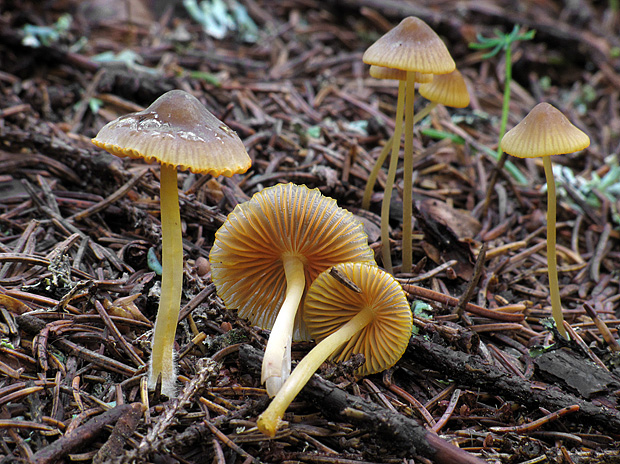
[414, 51]
[375, 321]
[269, 250]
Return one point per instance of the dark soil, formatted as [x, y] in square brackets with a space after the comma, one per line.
[79, 229]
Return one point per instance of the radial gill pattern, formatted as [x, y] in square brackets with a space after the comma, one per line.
[286, 219]
[329, 305]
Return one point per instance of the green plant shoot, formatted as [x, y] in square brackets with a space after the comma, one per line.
[502, 42]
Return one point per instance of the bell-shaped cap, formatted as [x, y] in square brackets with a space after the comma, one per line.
[177, 130]
[447, 89]
[411, 46]
[379, 72]
[544, 131]
[329, 305]
[286, 219]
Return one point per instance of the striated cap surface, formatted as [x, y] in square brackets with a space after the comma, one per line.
[447, 89]
[286, 219]
[544, 131]
[411, 46]
[330, 304]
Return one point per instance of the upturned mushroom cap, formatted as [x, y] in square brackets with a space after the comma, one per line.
[177, 130]
[329, 305]
[544, 131]
[286, 219]
[379, 72]
[447, 89]
[411, 46]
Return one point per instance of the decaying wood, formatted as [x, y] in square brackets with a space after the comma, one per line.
[390, 429]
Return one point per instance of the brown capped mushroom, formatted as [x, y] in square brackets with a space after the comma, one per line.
[545, 131]
[376, 321]
[176, 131]
[269, 250]
[446, 89]
[412, 46]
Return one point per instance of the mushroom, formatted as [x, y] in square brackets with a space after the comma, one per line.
[412, 46]
[379, 72]
[448, 89]
[545, 131]
[376, 321]
[269, 250]
[176, 131]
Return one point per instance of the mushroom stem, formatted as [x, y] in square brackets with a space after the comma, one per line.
[372, 177]
[424, 112]
[277, 360]
[269, 419]
[389, 183]
[162, 356]
[385, 151]
[552, 263]
[408, 174]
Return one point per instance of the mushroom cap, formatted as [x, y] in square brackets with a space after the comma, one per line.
[447, 89]
[379, 72]
[411, 46]
[544, 131]
[286, 219]
[329, 305]
[177, 130]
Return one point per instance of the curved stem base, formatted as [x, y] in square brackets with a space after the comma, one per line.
[268, 421]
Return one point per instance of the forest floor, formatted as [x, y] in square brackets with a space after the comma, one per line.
[485, 372]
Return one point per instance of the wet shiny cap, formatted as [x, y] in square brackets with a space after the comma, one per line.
[177, 130]
[447, 89]
[411, 46]
[544, 131]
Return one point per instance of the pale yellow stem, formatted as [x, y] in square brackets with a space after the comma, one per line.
[268, 420]
[389, 184]
[162, 357]
[277, 359]
[424, 112]
[552, 262]
[408, 174]
[372, 177]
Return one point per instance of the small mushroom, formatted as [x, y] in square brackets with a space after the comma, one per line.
[445, 89]
[379, 72]
[269, 250]
[376, 322]
[545, 131]
[176, 131]
[412, 46]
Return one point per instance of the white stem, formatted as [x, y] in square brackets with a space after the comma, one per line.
[277, 360]
[268, 420]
